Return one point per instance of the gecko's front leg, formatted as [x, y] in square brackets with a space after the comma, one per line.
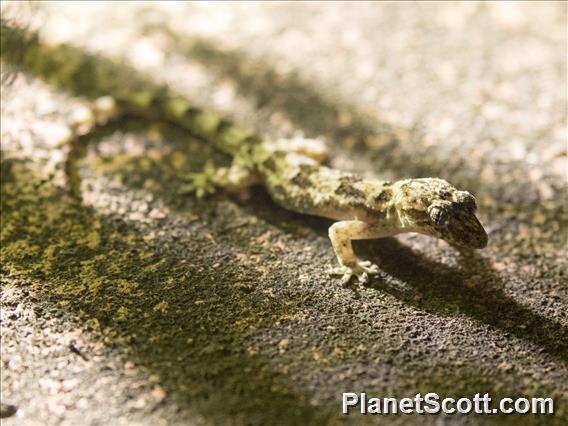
[341, 234]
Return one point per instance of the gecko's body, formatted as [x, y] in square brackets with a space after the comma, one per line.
[363, 208]
[291, 170]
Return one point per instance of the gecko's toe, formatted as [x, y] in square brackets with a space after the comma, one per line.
[344, 272]
[368, 267]
[362, 271]
[346, 278]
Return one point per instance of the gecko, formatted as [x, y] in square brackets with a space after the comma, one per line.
[293, 171]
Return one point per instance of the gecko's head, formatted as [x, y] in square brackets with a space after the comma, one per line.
[434, 207]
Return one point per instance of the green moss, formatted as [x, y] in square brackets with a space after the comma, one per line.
[133, 291]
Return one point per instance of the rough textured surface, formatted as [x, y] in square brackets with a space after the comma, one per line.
[124, 303]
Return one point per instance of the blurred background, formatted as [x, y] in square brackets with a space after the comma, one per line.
[124, 302]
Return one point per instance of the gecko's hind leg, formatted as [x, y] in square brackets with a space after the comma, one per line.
[314, 149]
[233, 178]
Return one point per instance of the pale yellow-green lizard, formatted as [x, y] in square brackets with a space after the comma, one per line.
[291, 170]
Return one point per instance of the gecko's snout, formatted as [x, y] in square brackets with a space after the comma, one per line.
[463, 229]
[455, 221]
[471, 233]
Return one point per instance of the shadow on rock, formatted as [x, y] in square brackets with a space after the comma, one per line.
[474, 289]
[315, 111]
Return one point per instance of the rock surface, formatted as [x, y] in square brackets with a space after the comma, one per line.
[126, 303]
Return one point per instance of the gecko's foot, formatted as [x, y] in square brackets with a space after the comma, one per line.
[362, 271]
[202, 183]
[197, 185]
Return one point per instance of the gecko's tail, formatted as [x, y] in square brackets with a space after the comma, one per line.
[92, 75]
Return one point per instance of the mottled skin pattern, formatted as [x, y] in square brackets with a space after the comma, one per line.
[365, 208]
[290, 169]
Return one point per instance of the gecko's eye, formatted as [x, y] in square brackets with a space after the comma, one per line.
[439, 213]
[466, 200]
